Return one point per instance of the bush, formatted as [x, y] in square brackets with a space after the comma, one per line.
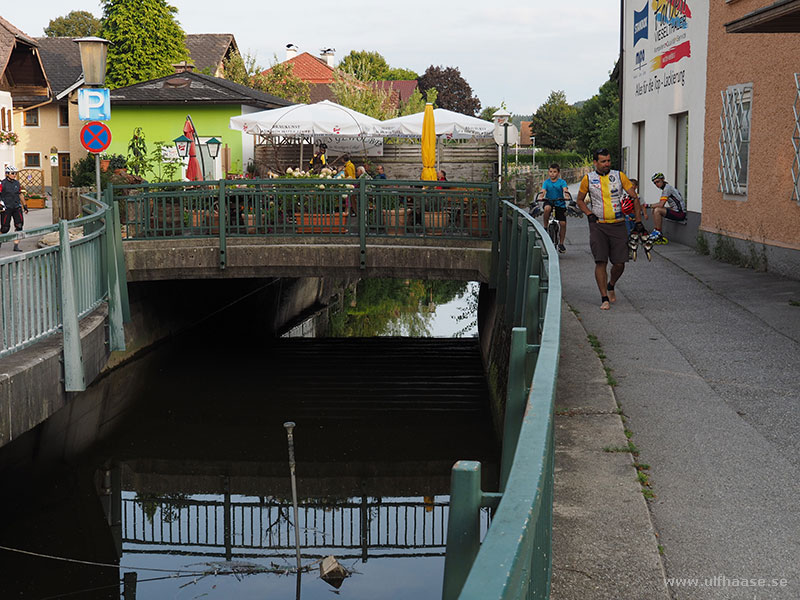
[565, 159]
[83, 173]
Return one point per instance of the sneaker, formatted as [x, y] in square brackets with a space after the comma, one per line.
[17, 249]
[561, 248]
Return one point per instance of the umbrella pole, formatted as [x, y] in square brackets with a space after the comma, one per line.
[302, 143]
[438, 153]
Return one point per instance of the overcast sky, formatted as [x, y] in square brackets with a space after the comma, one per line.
[515, 51]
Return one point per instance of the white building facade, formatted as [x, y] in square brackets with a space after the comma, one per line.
[663, 99]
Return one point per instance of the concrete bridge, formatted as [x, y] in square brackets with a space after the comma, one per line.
[247, 236]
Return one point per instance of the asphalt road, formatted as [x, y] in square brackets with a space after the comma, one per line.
[707, 358]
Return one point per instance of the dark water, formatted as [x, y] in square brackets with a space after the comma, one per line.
[180, 460]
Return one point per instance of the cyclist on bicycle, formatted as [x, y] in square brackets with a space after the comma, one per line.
[554, 194]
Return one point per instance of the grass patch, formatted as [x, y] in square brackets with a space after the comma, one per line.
[609, 377]
[661, 550]
[725, 249]
[572, 309]
[632, 448]
[648, 493]
[701, 244]
[794, 303]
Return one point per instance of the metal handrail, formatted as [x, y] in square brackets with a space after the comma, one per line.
[48, 290]
[515, 558]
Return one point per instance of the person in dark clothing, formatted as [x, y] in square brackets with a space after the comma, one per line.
[13, 198]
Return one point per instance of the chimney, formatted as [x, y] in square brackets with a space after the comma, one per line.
[291, 51]
[183, 67]
[328, 54]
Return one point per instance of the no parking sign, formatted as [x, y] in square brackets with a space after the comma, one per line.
[95, 136]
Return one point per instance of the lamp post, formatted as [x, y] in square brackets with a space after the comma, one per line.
[182, 145]
[501, 119]
[213, 146]
[94, 52]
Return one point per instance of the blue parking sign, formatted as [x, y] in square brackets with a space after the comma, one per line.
[94, 104]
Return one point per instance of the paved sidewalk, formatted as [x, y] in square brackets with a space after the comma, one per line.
[707, 359]
[38, 217]
[604, 545]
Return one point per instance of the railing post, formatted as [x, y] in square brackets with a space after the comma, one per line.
[513, 260]
[502, 274]
[364, 512]
[223, 225]
[363, 210]
[74, 379]
[532, 325]
[463, 526]
[515, 402]
[116, 331]
[494, 220]
[522, 269]
[119, 255]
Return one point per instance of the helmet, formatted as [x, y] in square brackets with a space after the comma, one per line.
[657, 176]
[11, 169]
[627, 205]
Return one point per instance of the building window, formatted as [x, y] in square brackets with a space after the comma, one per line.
[734, 139]
[63, 115]
[33, 160]
[32, 117]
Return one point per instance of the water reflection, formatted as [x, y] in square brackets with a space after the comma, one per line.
[178, 470]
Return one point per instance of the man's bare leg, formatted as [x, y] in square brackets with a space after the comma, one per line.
[616, 273]
[658, 217]
[601, 276]
[546, 215]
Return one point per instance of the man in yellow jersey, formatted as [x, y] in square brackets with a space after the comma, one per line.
[608, 237]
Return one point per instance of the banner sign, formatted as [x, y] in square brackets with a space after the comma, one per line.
[640, 20]
[358, 146]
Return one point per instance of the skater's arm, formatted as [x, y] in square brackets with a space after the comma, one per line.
[582, 191]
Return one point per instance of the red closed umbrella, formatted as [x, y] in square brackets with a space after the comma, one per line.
[193, 171]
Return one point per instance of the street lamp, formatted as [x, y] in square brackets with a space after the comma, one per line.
[182, 145]
[94, 51]
[502, 118]
[93, 60]
[213, 146]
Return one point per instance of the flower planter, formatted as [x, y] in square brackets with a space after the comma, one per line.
[435, 222]
[478, 225]
[202, 222]
[35, 202]
[104, 163]
[395, 220]
[320, 223]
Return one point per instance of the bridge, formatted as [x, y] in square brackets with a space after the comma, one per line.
[284, 228]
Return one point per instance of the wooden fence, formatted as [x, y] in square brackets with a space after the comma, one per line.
[68, 204]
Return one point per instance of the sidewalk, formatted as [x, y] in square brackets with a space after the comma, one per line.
[707, 358]
[604, 545]
[38, 217]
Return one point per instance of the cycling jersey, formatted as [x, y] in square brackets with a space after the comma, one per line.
[605, 194]
[673, 198]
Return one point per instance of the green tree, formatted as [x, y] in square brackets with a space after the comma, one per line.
[402, 75]
[597, 122]
[279, 80]
[454, 93]
[488, 112]
[553, 121]
[146, 40]
[362, 97]
[78, 23]
[368, 65]
[416, 102]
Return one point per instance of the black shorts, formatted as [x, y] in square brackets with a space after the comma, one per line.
[7, 215]
[609, 241]
[560, 211]
[674, 215]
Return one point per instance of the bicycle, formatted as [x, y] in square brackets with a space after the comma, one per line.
[553, 227]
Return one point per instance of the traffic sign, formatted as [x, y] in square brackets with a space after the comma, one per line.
[95, 136]
[94, 104]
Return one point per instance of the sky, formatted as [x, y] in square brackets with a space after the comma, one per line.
[515, 52]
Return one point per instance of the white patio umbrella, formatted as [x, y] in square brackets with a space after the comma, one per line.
[299, 120]
[449, 125]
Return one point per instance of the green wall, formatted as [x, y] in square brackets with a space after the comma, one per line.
[165, 123]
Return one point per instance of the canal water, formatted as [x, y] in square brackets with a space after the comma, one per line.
[174, 471]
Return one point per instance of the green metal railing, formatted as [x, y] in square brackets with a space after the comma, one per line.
[307, 207]
[50, 289]
[515, 559]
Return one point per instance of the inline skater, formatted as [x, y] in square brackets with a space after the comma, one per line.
[670, 206]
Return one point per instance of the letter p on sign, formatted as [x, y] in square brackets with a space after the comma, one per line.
[94, 104]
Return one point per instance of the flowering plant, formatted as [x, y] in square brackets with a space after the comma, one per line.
[8, 137]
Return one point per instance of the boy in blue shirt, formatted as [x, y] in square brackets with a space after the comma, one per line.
[554, 194]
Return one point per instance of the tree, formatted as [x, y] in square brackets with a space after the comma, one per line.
[553, 121]
[372, 66]
[597, 123]
[78, 23]
[279, 81]
[146, 40]
[488, 112]
[454, 93]
[362, 97]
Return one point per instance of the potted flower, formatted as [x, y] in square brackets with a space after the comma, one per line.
[9, 137]
[320, 207]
